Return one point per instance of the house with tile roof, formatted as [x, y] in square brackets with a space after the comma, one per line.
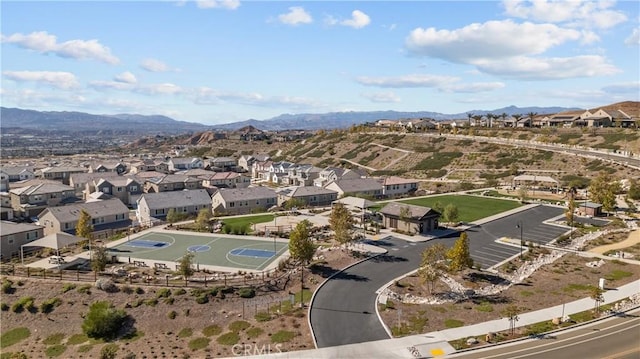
[243, 200]
[155, 206]
[107, 217]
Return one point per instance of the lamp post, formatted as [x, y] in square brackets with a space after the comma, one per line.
[519, 225]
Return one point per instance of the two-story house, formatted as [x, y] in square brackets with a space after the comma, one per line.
[222, 164]
[331, 174]
[167, 183]
[368, 187]
[243, 200]
[60, 173]
[18, 173]
[107, 217]
[395, 186]
[14, 235]
[29, 201]
[309, 195]
[302, 175]
[84, 183]
[102, 167]
[225, 180]
[155, 206]
[246, 161]
[126, 189]
[184, 163]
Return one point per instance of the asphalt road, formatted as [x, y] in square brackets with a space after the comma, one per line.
[343, 310]
[616, 338]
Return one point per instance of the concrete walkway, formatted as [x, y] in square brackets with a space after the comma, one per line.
[436, 343]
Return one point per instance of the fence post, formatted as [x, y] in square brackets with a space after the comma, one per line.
[205, 280]
[225, 280]
[242, 309]
[28, 272]
[44, 273]
[77, 275]
[166, 277]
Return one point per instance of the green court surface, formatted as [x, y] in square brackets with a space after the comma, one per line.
[208, 249]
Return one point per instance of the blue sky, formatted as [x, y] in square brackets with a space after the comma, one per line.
[219, 61]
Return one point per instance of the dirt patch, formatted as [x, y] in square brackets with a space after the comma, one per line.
[160, 336]
[563, 281]
[632, 239]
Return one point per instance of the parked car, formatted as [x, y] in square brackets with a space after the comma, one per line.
[56, 260]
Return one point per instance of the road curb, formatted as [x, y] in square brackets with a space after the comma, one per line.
[567, 329]
[313, 297]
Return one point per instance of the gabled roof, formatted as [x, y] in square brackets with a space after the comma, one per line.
[43, 188]
[172, 179]
[357, 185]
[71, 213]
[415, 212]
[15, 170]
[183, 160]
[62, 169]
[392, 180]
[7, 227]
[175, 199]
[245, 194]
[304, 191]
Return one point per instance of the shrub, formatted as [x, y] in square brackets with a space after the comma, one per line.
[172, 314]
[77, 339]
[230, 338]
[179, 291]
[185, 332]
[127, 289]
[247, 292]
[453, 323]
[282, 336]
[4, 306]
[14, 336]
[48, 305]
[202, 299]
[24, 303]
[55, 350]
[238, 326]
[199, 343]
[169, 300]
[7, 286]
[254, 332]
[139, 290]
[163, 293]
[54, 339]
[109, 351]
[263, 317]
[86, 289]
[151, 302]
[211, 330]
[103, 321]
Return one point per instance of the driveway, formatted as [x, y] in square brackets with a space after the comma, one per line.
[344, 308]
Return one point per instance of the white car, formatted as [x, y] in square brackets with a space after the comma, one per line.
[56, 260]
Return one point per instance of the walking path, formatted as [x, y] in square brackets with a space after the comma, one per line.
[436, 343]
[634, 238]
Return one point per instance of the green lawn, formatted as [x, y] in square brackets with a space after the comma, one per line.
[247, 221]
[470, 208]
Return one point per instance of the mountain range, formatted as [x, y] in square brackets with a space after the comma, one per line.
[15, 120]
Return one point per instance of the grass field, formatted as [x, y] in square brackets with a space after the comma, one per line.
[246, 222]
[470, 208]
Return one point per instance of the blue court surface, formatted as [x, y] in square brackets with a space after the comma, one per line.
[233, 252]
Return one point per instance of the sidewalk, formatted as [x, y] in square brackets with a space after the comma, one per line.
[436, 343]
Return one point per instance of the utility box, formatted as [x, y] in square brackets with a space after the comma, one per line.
[601, 284]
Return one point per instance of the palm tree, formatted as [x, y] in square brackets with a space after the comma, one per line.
[531, 115]
[490, 117]
[469, 116]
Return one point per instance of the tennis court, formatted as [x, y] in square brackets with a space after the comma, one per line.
[208, 250]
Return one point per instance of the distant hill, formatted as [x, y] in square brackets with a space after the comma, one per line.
[19, 120]
[311, 121]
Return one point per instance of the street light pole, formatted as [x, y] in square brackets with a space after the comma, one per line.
[519, 225]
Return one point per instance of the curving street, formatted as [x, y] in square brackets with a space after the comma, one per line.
[344, 308]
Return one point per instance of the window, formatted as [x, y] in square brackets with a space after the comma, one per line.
[66, 226]
[119, 189]
[232, 204]
[134, 188]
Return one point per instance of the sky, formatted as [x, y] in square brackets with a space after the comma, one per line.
[221, 61]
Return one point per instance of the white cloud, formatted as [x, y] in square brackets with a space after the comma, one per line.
[111, 85]
[624, 88]
[296, 15]
[126, 77]
[633, 39]
[473, 87]
[209, 96]
[407, 81]
[579, 13]
[358, 20]
[382, 97]
[153, 65]
[60, 80]
[222, 4]
[489, 40]
[589, 37]
[45, 43]
[159, 89]
[529, 68]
